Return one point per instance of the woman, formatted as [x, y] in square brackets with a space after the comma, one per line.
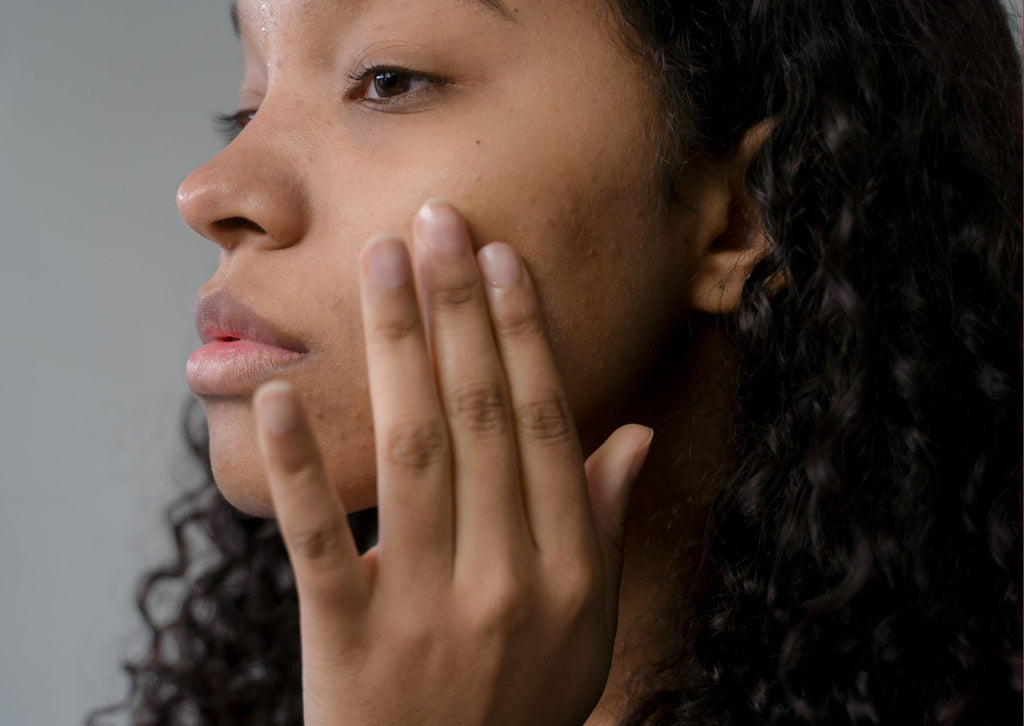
[783, 235]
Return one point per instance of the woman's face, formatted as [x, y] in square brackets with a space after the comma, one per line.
[530, 118]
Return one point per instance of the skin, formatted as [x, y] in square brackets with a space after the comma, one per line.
[541, 135]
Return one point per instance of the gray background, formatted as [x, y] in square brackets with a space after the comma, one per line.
[104, 108]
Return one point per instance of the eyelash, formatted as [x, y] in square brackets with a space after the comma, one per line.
[230, 125]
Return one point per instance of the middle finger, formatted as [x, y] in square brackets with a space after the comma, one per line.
[490, 518]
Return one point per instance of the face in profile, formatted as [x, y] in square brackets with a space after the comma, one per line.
[533, 120]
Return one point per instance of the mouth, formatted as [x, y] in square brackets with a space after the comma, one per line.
[240, 350]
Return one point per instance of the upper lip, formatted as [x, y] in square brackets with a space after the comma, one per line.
[221, 316]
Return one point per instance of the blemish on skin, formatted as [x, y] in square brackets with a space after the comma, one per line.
[478, 142]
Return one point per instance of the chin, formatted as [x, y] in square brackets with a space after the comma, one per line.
[238, 468]
[235, 458]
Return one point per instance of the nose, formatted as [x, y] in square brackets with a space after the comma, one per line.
[252, 192]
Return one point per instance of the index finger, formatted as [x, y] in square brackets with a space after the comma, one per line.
[413, 453]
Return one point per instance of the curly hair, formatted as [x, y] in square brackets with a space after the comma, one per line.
[867, 547]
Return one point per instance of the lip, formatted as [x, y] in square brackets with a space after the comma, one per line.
[240, 348]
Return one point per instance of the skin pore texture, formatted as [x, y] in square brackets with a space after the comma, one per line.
[540, 128]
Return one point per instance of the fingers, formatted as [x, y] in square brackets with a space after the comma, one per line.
[550, 460]
[479, 472]
[477, 447]
[471, 379]
[328, 573]
[413, 461]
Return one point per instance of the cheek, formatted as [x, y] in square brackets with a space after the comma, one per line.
[598, 309]
[591, 242]
[335, 389]
[584, 214]
[590, 232]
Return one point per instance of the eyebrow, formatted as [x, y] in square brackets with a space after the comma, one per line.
[498, 6]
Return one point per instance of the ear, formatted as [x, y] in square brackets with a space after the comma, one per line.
[731, 240]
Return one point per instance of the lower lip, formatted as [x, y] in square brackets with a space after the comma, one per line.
[236, 367]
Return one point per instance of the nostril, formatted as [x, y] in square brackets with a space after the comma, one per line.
[236, 224]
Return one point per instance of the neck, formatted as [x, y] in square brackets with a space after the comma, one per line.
[689, 410]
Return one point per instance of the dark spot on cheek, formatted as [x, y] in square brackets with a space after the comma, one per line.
[478, 142]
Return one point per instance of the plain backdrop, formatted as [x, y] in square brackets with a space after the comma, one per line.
[105, 106]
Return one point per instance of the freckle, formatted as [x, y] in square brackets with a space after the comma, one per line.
[478, 142]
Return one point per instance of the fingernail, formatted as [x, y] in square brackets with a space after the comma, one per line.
[386, 260]
[500, 265]
[640, 456]
[441, 227]
[276, 408]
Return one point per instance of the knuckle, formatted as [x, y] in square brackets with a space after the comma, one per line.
[314, 544]
[546, 419]
[500, 608]
[479, 407]
[513, 323]
[579, 592]
[300, 468]
[453, 297]
[414, 635]
[395, 328]
[416, 446]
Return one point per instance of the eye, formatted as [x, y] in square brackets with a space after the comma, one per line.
[389, 84]
[230, 125]
[383, 86]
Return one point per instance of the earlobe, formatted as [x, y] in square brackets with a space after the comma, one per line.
[737, 241]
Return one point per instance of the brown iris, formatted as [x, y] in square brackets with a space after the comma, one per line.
[391, 83]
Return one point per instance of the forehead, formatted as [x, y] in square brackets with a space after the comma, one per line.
[497, 7]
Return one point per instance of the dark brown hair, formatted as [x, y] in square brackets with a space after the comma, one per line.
[868, 548]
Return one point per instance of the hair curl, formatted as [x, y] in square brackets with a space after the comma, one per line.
[867, 549]
[868, 546]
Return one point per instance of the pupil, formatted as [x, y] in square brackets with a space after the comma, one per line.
[390, 83]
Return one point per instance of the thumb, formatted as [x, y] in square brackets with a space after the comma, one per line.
[611, 471]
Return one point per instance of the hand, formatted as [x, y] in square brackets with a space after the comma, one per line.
[492, 595]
